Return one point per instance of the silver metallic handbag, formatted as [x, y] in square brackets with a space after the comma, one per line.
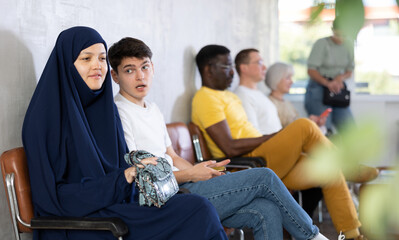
[157, 183]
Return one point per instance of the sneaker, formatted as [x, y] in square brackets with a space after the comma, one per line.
[320, 237]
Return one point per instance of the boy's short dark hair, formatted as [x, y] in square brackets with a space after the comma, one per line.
[127, 47]
[243, 58]
[208, 53]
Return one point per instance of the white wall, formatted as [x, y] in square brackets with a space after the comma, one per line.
[174, 29]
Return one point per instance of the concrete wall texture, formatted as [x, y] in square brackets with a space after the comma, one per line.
[174, 29]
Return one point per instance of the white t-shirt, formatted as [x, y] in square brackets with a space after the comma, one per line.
[144, 128]
[261, 112]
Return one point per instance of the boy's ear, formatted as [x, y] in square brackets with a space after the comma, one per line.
[115, 76]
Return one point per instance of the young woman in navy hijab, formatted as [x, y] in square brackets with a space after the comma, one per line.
[74, 143]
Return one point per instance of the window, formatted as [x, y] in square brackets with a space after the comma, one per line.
[376, 48]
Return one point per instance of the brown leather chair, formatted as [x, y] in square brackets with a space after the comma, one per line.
[17, 184]
[202, 149]
[181, 140]
[184, 147]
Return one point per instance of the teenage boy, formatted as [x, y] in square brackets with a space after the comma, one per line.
[253, 198]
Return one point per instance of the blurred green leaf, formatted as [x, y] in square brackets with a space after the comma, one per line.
[349, 15]
[379, 208]
[315, 12]
[362, 143]
[354, 146]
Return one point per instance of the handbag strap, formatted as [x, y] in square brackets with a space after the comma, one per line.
[135, 157]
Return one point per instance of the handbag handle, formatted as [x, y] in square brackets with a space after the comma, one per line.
[132, 158]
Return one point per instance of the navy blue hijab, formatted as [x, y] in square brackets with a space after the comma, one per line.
[73, 136]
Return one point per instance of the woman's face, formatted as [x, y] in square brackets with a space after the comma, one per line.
[285, 84]
[92, 65]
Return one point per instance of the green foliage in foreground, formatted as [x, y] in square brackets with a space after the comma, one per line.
[362, 144]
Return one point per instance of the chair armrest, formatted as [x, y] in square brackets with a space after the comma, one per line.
[257, 161]
[115, 225]
[253, 162]
[232, 167]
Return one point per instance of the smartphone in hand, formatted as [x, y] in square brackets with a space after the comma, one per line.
[326, 112]
[220, 169]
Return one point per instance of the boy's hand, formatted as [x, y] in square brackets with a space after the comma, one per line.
[220, 164]
[204, 171]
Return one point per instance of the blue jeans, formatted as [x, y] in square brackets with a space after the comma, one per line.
[257, 199]
[314, 105]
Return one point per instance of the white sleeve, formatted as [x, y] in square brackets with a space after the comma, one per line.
[167, 140]
[127, 129]
[249, 109]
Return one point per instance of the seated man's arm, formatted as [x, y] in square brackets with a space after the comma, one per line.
[221, 135]
[189, 173]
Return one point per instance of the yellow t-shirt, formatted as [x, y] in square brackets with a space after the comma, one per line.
[213, 106]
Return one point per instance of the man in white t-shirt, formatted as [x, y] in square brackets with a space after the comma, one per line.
[254, 198]
[261, 112]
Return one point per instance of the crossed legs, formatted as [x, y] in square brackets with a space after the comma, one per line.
[286, 154]
[257, 199]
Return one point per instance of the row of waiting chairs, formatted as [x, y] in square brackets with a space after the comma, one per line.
[16, 180]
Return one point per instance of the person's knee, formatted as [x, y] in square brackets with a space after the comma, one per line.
[306, 125]
[304, 122]
[261, 175]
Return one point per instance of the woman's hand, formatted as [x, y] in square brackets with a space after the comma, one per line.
[335, 86]
[340, 78]
[319, 120]
[130, 173]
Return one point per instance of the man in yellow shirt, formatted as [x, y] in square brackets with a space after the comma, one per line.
[222, 119]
